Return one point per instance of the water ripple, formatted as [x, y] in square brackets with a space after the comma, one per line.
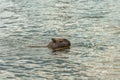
[91, 26]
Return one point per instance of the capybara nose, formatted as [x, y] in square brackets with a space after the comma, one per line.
[59, 44]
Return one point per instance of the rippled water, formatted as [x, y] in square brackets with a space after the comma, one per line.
[92, 26]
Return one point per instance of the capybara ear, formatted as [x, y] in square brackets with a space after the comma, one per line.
[53, 39]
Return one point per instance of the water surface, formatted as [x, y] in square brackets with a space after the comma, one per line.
[92, 26]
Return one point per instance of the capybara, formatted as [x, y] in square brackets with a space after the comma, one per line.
[59, 44]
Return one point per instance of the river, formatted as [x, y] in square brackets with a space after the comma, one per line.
[92, 26]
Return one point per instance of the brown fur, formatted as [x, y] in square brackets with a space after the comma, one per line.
[59, 44]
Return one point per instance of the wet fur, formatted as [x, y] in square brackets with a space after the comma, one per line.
[56, 44]
[59, 44]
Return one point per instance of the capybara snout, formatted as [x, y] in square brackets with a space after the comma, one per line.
[59, 44]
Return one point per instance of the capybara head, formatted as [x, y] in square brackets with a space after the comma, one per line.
[59, 44]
